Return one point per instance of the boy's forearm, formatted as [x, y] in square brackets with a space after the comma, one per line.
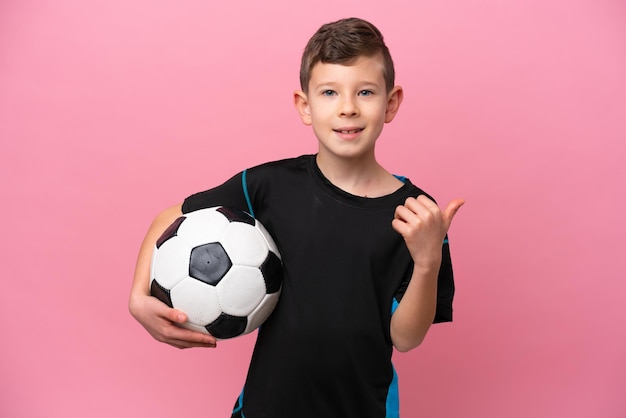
[415, 313]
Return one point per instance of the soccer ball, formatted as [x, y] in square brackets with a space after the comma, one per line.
[221, 267]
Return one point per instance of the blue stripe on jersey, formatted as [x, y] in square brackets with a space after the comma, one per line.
[244, 184]
[394, 305]
[393, 399]
[393, 394]
[239, 405]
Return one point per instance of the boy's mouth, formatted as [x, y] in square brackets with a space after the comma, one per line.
[348, 131]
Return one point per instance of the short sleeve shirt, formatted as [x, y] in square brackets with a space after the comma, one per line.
[326, 349]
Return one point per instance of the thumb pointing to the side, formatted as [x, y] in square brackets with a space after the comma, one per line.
[450, 211]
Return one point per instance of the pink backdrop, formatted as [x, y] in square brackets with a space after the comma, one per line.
[111, 110]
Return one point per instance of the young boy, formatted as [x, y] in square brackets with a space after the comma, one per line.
[366, 259]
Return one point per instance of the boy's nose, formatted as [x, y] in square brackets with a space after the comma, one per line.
[348, 107]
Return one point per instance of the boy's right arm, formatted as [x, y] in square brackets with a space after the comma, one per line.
[155, 316]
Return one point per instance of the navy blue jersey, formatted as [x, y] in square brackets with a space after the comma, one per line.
[326, 349]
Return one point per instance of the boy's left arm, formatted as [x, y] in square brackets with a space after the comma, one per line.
[423, 226]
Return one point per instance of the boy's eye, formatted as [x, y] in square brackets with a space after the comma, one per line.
[328, 93]
[366, 93]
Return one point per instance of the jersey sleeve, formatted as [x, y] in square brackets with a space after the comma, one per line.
[445, 287]
[231, 194]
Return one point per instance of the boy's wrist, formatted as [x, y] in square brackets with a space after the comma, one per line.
[427, 267]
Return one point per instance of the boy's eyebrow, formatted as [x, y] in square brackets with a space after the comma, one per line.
[359, 84]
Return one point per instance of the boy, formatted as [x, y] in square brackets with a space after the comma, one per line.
[362, 249]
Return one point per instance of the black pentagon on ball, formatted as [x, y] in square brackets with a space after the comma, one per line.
[161, 293]
[170, 232]
[272, 269]
[234, 215]
[227, 326]
[209, 263]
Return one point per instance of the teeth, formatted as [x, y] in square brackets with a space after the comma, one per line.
[350, 132]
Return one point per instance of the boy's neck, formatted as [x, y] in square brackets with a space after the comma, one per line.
[359, 177]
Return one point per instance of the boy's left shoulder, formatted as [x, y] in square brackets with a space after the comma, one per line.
[412, 189]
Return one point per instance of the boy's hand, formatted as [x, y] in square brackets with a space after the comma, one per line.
[160, 321]
[424, 226]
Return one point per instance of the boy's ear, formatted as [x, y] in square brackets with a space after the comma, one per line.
[302, 106]
[393, 103]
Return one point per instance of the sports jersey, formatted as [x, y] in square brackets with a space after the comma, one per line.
[326, 350]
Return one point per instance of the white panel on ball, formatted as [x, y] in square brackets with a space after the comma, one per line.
[241, 290]
[261, 312]
[172, 265]
[203, 226]
[197, 300]
[253, 253]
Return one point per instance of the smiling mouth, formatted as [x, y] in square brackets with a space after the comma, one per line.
[348, 131]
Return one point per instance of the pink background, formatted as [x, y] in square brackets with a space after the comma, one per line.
[112, 110]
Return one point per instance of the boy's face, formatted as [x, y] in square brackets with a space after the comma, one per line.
[348, 105]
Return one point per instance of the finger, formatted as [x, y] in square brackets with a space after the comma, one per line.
[182, 344]
[425, 206]
[185, 338]
[451, 211]
[400, 226]
[177, 316]
[404, 213]
[426, 201]
[414, 208]
[192, 344]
